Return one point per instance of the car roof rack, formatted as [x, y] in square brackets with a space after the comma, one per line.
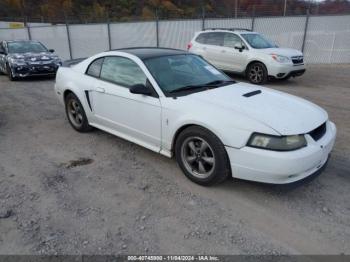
[229, 29]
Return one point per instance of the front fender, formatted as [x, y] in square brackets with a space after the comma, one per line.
[232, 130]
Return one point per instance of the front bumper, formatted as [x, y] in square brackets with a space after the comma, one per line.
[34, 70]
[282, 167]
[281, 71]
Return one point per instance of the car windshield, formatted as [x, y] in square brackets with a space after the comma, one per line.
[185, 72]
[25, 47]
[258, 41]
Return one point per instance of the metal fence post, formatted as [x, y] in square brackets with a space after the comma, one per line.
[253, 19]
[236, 8]
[68, 38]
[28, 29]
[305, 29]
[203, 17]
[29, 33]
[157, 27]
[109, 33]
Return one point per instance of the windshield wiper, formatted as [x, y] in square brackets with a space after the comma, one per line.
[216, 83]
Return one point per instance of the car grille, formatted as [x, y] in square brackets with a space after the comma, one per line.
[319, 132]
[298, 60]
[42, 69]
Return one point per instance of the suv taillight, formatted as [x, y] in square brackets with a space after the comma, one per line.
[189, 46]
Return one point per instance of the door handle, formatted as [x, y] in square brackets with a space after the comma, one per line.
[99, 89]
[223, 51]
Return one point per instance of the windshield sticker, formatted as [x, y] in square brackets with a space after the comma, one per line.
[212, 70]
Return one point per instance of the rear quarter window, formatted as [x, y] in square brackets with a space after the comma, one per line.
[94, 68]
[211, 38]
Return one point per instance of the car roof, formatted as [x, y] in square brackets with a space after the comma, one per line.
[145, 53]
[16, 41]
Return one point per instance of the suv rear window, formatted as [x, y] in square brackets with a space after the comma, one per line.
[215, 38]
[201, 39]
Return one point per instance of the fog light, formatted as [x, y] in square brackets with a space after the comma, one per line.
[280, 74]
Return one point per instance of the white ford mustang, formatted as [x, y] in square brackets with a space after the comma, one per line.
[176, 103]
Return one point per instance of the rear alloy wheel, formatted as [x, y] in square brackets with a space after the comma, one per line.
[76, 114]
[257, 73]
[202, 156]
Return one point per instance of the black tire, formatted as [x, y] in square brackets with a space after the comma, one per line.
[287, 78]
[257, 73]
[215, 151]
[2, 72]
[77, 120]
[9, 73]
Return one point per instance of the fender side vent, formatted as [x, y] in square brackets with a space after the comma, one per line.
[254, 93]
[88, 99]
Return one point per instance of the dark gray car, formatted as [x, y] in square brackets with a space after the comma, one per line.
[19, 59]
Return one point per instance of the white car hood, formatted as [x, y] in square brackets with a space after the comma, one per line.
[289, 52]
[286, 114]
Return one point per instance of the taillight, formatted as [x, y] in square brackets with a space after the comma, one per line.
[189, 46]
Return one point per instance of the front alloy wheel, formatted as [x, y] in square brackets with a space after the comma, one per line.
[198, 157]
[10, 73]
[201, 156]
[257, 73]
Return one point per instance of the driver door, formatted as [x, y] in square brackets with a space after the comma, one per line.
[134, 117]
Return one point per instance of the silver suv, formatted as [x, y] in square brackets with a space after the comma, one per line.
[249, 53]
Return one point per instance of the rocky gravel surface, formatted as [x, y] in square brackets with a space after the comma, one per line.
[62, 192]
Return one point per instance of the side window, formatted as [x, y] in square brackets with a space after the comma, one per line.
[122, 71]
[2, 49]
[215, 39]
[231, 40]
[95, 68]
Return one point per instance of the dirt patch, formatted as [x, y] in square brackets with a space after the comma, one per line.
[78, 162]
[5, 213]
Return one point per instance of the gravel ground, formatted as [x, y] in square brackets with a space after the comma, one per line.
[62, 192]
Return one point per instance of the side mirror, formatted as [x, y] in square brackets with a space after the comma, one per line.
[239, 46]
[140, 89]
[51, 50]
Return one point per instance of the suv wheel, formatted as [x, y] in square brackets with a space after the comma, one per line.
[201, 156]
[257, 73]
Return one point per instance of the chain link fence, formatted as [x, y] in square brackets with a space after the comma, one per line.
[322, 38]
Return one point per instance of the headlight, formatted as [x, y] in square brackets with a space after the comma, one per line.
[281, 59]
[17, 61]
[277, 143]
[57, 61]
